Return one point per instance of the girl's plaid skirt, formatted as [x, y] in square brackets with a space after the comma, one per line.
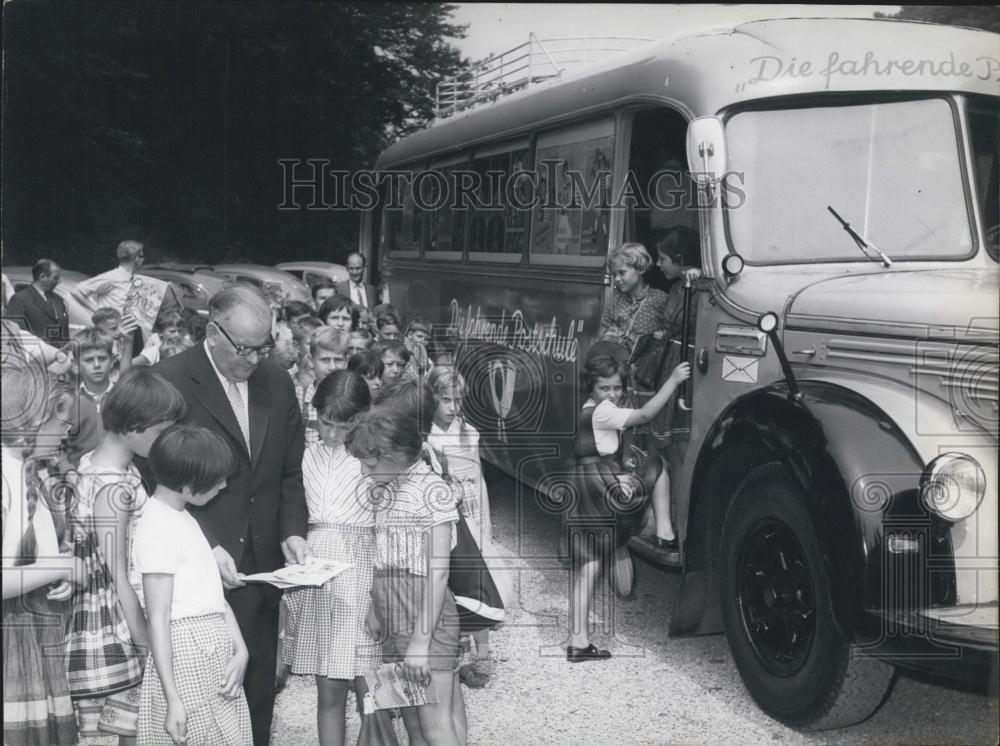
[324, 632]
[201, 648]
[37, 708]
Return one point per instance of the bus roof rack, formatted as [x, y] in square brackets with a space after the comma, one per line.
[530, 63]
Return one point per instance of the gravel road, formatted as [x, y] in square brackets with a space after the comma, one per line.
[655, 690]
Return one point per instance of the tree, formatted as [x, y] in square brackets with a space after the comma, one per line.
[166, 120]
[974, 16]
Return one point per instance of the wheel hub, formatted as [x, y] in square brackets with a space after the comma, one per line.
[775, 597]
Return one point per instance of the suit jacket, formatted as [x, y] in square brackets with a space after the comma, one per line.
[29, 311]
[264, 499]
[371, 292]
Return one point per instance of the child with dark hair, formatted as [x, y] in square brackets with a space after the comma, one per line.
[167, 328]
[324, 632]
[369, 366]
[110, 499]
[395, 356]
[193, 688]
[38, 576]
[194, 328]
[604, 492]
[414, 398]
[339, 313]
[412, 607]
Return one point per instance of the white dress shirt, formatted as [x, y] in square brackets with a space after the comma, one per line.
[358, 295]
[241, 386]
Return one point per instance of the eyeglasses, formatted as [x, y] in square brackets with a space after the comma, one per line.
[247, 350]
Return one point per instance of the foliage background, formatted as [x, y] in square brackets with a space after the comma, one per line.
[165, 121]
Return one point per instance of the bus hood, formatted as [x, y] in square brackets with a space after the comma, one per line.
[927, 303]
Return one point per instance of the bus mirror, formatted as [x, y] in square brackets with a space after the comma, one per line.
[706, 150]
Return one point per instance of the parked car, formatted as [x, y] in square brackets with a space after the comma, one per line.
[79, 311]
[194, 290]
[272, 281]
[312, 272]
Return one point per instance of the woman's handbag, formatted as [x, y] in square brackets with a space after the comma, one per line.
[101, 656]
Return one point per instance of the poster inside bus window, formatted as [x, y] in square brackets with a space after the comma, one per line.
[498, 227]
[571, 216]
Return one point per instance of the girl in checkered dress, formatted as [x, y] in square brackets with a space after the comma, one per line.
[324, 632]
[193, 688]
[110, 498]
[37, 579]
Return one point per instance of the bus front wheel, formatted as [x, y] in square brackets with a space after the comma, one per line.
[776, 607]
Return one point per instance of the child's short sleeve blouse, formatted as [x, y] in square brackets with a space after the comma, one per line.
[416, 501]
[608, 420]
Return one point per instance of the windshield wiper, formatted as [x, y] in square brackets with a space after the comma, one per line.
[862, 244]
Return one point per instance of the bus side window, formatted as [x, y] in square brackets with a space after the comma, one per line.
[498, 227]
[571, 218]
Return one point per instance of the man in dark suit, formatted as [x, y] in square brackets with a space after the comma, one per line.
[360, 292]
[258, 522]
[37, 309]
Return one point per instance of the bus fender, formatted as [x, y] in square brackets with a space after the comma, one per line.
[851, 462]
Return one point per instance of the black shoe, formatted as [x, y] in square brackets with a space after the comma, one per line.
[589, 653]
[665, 545]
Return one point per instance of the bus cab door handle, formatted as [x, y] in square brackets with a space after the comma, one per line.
[703, 360]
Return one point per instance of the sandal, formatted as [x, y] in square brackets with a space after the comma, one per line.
[472, 678]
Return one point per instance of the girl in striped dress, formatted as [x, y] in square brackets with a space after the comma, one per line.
[412, 608]
[324, 633]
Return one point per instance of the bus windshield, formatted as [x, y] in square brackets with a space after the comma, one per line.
[891, 170]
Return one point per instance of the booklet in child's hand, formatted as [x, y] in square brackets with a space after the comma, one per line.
[314, 572]
[388, 689]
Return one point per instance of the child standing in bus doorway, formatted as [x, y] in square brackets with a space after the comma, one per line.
[610, 502]
[677, 258]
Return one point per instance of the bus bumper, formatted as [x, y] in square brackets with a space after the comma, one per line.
[956, 642]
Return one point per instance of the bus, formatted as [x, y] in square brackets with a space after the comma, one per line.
[835, 489]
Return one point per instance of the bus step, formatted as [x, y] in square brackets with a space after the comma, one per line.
[651, 554]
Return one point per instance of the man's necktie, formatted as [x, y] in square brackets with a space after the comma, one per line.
[240, 410]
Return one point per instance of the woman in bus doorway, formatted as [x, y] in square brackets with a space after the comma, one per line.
[637, 319]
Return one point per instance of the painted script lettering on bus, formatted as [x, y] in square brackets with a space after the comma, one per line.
[513, 330]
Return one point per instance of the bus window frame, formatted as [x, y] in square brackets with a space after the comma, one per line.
[558, 135]
[856, 98]
[524, 142]
[383, 233]
[450, 256]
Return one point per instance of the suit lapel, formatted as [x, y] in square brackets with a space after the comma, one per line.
[48, 309]
[260, 404]
[213, 398]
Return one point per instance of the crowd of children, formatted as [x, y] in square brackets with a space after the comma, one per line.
[122, 626]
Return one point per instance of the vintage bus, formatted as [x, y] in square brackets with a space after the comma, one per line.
[836, 492]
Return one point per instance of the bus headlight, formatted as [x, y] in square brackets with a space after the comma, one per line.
[952, 486]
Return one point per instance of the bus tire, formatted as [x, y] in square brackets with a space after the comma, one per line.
[777, 612]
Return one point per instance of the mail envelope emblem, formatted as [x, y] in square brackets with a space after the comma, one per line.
[739, 369]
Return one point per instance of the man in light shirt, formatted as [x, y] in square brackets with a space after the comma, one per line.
[111, 288]
[360, 292]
